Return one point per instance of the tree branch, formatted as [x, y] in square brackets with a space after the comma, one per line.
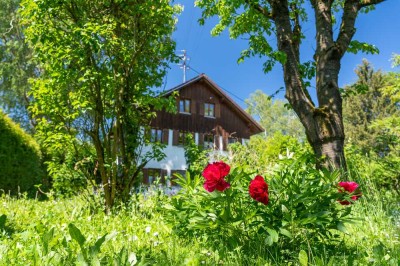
[296, 39]
[262, 10]
[347, 29]
[365, 3]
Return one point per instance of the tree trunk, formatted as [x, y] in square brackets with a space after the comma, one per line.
[323, 124]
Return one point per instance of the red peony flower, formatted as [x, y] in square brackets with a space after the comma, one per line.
[214, 174]
[258, 189]
[349, 187]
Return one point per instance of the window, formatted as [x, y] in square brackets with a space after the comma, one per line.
[151, 175]
[232, 140]
[184, 106]
[156, 135]
[208, 141]
[182, 138]
[209, 109]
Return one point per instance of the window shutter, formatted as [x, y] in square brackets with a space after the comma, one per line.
[201, 139]
[165, 136]
[175, 139]
[192, 106]
[163, 176]
[217, 110]
[145, 176]
[201, 111]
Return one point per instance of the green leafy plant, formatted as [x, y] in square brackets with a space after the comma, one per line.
[303, 206]
[20, 159]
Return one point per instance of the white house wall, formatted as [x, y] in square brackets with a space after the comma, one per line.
[175, 155]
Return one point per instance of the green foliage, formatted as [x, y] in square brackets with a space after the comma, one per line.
[20, 159]
[68, 232]
[356, 46]
[17, 65]
[302, 208]
[260, 154]
[72, 232]
[274, 116]
[72, 169]
[101, 61]
[196, 157]
[371, 114]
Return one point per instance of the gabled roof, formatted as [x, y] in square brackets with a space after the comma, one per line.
[219, 91]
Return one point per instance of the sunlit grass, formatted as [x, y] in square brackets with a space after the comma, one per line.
[138, 234]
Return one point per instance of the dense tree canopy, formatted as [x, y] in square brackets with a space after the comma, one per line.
[100, 60]
[16, 65]
[257, 20]
[365, 105]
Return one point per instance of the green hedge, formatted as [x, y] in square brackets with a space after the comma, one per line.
[20, 159]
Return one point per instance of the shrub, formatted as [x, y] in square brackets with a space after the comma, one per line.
[299, 205]
[20, 158]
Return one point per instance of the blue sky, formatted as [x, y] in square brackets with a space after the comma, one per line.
[217, 56]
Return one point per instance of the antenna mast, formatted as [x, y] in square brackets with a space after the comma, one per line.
[183, 65]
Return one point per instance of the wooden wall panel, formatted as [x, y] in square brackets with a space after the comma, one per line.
[199, 93]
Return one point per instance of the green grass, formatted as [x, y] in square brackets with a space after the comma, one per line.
[39, 233]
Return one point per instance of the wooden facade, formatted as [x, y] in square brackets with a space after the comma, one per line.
[229, 120]
[205, 111]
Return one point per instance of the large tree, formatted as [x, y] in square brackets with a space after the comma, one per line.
[365, 104]
[16, 66]
[259, 19]
[101, 60]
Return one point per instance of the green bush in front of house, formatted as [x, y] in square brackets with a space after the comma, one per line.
[20, 158]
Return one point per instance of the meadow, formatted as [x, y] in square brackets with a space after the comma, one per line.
[191, 228]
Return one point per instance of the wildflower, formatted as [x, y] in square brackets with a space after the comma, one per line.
[214, 174]
[155, 234]
[147, 229]
[349, 187]
[134, 238]
[258, 190]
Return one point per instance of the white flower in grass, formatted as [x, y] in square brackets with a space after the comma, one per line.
[134, 238]
[155, 234]
[132, 258]
[148, 229]
[156, 243]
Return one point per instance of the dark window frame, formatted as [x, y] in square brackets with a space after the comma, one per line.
[184, 106]
[209, 110]
[182, 138]
[156, 135]
[208, 141]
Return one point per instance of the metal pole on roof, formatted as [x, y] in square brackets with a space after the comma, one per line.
[184, 59]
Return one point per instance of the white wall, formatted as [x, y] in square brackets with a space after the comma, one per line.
[174, 160]
[175, 155]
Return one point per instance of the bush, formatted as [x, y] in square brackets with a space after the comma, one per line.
[20, 158]
[304, 207]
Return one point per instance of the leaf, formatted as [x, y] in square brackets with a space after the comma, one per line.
[3, 221]
[285, 232]
[303, 258]
[341, 227]
[76, 234]
[96, 248]
[273, 234]
[46, 238]
[269, 241]
[378, 250]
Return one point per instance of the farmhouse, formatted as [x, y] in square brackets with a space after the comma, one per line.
[206, 112]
